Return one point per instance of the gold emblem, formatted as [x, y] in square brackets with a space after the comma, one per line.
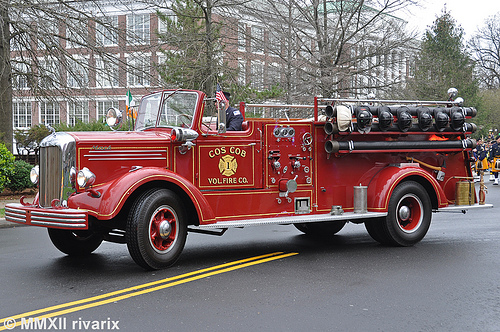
[228, 165]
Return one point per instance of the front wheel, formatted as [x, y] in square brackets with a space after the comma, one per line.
[75, 243]
[409, 214]
[156, 229]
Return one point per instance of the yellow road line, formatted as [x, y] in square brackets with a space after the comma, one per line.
[143, 289]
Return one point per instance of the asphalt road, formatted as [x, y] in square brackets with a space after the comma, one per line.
[287, 282]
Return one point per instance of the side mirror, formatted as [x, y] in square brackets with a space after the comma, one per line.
[114, 118]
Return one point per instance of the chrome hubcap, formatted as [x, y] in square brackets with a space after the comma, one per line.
[404, 213]
[165, 229]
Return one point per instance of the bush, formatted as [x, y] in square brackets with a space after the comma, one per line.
[20, 179]
[6, 166]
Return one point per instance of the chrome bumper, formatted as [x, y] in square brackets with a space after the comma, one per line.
[52, 218]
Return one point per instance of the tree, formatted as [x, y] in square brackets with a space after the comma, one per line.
[443, 62]
[485, 45]
[335, 48]
[192, 41]
[50, 48]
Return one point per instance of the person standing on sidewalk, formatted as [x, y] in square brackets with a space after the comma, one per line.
[494, 158]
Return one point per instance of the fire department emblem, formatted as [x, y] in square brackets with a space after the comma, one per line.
[228, 165]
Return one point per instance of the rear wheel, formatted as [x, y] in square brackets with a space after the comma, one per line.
[409, 214]
[156, 229]
[321, 229]
[75, 243]
[377, 230]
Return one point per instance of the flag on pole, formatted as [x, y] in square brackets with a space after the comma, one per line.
[219, 94]
[128, 104]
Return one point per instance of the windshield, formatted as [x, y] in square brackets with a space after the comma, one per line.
[148, 111]
[177, 109]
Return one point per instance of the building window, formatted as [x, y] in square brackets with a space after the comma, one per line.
[78, 76]
[20, 76]
[21, 114]
[107, 31]
[46, 31]
[78, 111]
[242, 40]
[106, 72]
[242, 71]
[138, 29]
[49, 73]
[104, 106]
[138, 71]
[77, 33]
[257, 39]
[49, 113]
[162, 21]
[257, 75]
[273, 74]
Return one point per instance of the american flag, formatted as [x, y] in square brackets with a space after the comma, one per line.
[219, 94]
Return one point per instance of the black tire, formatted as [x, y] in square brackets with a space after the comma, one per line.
[321, 229]
[156, 229]
[377, 230]
[409, 214]
[75, 243]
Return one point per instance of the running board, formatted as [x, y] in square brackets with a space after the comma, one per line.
[307, 218]
[463, 208]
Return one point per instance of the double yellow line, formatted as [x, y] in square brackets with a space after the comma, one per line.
[95, 301]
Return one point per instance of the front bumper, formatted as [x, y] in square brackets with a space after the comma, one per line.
[63, 218]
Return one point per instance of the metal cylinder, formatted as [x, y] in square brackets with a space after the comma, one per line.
[464, 193]
[360, 199]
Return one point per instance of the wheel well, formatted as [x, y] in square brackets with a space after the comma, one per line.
[427, 186]
[189, 207]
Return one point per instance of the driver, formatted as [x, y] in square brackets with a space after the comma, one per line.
[234, 118]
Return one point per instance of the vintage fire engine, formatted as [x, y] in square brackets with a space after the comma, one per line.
[385, 164]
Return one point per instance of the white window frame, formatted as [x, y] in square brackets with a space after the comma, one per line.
[78, 109]
[107, 36]
[137, 64]
[55, 115]
[107, 72]
[22, 114]
[102, 107]
[81, 71]
[138, 29]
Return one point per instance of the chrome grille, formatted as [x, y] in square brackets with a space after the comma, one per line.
[57, 155]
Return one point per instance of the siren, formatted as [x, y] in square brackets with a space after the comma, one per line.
[424, 118]
[404, 118]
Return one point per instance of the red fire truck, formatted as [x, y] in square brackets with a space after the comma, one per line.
[385, 164]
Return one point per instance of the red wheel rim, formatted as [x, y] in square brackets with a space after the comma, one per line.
[409, 213]
[163, 228]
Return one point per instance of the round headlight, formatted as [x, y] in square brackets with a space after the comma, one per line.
[85, 178]
[35, 174]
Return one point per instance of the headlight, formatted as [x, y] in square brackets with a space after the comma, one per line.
[35, 174]
[85, 178]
